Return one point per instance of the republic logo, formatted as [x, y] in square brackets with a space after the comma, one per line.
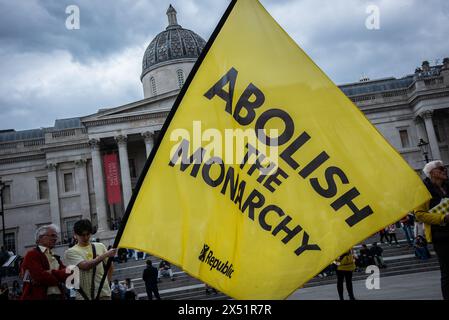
[203, 253]
[207, 256]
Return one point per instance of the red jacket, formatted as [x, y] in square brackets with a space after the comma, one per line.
[36, 263]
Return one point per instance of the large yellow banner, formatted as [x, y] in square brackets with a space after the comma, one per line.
[266, 171]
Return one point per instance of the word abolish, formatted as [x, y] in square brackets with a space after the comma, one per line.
[244, 112]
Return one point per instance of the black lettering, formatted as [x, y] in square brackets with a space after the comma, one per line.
[206, 171]
[249, 106]
[273, 178]
[240, 192]
[225, 268]
[183, 151]
[217, 89]
[251, 204]
[209, 256]
[286, 155]
[282, 226]
[331, 190]
[229, 179]
[251, 151]
[263, 215]
[314, 164]
[306, 246]
[282, 138]
[263, 170]
[347, 199]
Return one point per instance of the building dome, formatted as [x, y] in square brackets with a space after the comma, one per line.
[172, 44]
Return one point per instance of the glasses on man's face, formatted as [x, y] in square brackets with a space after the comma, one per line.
[441, 169]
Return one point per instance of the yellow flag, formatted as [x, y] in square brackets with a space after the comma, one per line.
[266, 172]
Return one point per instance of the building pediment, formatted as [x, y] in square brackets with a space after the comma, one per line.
[146, 108]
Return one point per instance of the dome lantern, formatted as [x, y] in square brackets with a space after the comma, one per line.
[172, 21]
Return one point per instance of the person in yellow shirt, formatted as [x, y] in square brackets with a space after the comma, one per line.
[89, 257]
[345, 268]
[437, 223]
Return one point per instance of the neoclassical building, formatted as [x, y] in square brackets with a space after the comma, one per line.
[60, 174]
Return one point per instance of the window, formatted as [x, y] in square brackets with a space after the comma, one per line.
[132, 168]
[68, 224]
[68, 182]
[43, 189]
[153, 86]
[10, 241]
[404, 138]
[180, 78]
[6, 194]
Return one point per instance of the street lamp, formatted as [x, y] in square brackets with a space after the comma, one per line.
[424, 146]
[2, 186]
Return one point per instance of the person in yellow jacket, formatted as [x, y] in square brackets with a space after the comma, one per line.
[345, 268]
[437, 222]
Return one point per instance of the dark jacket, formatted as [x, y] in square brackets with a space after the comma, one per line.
[365, 252]
[36, 263]
[150, 276]
[376, 251]
[439, 233]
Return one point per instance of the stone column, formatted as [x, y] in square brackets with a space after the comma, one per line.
[420, 129]
[54, 194]
[446, 126]
[149, 141]
[100, 199]
[124, 168]
[433, 142]
[81, 174]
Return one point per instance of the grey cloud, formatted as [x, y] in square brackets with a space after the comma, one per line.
[105, 26]
[49, 72]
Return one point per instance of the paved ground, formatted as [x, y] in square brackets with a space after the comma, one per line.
[416, 286]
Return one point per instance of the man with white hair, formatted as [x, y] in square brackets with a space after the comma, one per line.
[437, 224]
[42, 271]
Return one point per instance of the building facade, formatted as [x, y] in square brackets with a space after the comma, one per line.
[59, 174]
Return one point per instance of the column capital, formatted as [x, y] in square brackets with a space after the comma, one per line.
[427, 114]
[51, 166]
[94, 144]
[147, 135]
[80, 163]
[121, 139]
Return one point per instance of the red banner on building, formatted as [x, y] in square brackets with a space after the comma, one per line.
[112, 174]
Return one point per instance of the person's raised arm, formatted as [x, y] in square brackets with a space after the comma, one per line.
[89, 264]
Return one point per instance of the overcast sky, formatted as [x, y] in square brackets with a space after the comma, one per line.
[49, 72]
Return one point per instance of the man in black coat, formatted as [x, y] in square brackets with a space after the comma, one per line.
[150, 278]
[376, 253]
[437, 182]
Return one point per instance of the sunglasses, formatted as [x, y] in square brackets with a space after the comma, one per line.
[441, 169]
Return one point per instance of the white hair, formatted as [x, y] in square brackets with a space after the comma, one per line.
[43, 230]
[432, 165]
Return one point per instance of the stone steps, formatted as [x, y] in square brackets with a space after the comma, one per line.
[389, 271]
[399, 260]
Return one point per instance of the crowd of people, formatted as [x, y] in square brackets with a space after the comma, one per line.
[43, 273]
[420, 227]
[364, 256]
